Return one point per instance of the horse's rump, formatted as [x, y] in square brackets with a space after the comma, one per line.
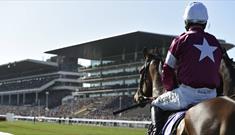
[212, 116]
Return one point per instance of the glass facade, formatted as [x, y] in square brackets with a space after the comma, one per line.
[119, 73]
[130, 81]
[112, 71]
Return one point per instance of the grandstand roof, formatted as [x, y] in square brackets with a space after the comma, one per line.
[116, 45]
[24, 67]
[103, 48]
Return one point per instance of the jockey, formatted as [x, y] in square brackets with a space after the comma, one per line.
[193, 58]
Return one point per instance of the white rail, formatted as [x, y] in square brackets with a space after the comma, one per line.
[104, 122]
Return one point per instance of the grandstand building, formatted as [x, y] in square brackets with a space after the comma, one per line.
[33, 82]
[114, 62]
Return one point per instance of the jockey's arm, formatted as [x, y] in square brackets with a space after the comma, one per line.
[169, 78]
[168, 74]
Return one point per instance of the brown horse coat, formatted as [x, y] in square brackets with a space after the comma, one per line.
[212, 117]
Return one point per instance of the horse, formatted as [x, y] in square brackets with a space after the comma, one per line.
[218, 113]
[227, 72]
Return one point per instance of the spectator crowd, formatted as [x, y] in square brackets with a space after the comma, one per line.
[93, 108]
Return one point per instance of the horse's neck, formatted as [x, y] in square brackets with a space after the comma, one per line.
[228, 76]
[157, 87]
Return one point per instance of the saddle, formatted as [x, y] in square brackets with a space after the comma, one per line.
[170, 127]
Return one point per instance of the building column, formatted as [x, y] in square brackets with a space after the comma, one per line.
[101, 71]
[9, 99]
[18, 99]
[101, 62]
[129, 92]
[2, 96]
[135, 55]
[123, 56]
[164, 47]
[47, 98]
[23, 98]
[36, 97]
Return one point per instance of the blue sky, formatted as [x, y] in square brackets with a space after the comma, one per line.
[29, 28]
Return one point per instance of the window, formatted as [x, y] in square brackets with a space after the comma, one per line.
[130, 81]
[112, 83]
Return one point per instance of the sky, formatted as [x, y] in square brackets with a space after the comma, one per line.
[31, 27]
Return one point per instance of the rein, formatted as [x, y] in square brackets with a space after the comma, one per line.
[143, 75]
[232, 96]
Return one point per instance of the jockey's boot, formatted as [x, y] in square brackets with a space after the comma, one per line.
[158, 120]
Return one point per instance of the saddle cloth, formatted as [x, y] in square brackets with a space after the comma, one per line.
[172, 122]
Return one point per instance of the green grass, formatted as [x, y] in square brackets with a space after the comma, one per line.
[28, 128]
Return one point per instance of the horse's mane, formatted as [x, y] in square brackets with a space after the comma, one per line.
[233, 64]
[229, 74]
[230, 64]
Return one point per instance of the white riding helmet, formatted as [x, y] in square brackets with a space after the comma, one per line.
[196, 12]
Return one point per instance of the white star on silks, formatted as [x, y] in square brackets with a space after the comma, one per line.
[206, 50]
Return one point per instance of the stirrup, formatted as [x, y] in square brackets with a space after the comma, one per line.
[152, 130]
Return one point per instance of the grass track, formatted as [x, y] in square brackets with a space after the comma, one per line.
[28, 128]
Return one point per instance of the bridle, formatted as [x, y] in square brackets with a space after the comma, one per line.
[145, 68]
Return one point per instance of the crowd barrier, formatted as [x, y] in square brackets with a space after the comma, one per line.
[99, 122]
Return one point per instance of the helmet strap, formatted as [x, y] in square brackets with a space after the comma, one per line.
[190, 24]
